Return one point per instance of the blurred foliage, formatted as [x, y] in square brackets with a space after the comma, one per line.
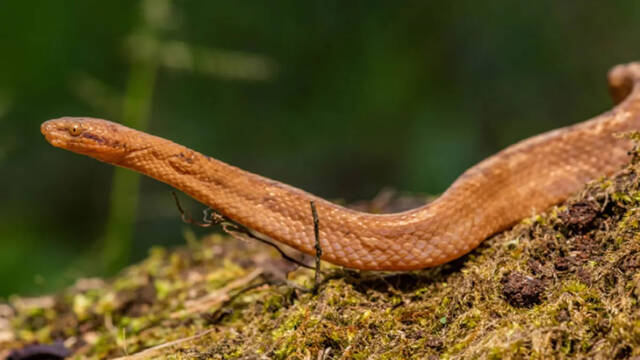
[339, 98]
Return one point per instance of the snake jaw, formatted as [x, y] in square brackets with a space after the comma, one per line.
[84, 136]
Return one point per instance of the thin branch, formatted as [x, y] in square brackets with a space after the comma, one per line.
[186, 217]
[235, 229]
[324, 353]
[145, 354]
[216, 297]
[316, 233]
[217, 315]
[232, 228]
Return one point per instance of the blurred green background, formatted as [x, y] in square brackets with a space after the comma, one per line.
[340, 98]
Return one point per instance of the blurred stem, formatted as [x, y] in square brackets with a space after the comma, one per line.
[125, 188]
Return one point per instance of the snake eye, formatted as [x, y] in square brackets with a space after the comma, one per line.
[75, 130]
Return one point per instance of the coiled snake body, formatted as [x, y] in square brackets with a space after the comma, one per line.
[519, 181]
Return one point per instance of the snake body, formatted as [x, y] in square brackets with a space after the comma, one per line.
[517, 182]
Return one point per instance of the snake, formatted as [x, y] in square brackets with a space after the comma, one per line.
[521, 180]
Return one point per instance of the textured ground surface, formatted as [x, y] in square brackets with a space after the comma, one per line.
[563, 284]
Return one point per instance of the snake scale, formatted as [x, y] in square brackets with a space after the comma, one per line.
[522, 179]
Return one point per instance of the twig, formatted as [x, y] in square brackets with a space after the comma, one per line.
[145, 354]
[124, 341]
[234, 229]
[216, 297]
[324, 353]
[217, 315]
[186, 217]
[316, 233]
[213, 218]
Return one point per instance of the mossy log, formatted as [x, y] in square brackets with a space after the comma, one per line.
[563, 284]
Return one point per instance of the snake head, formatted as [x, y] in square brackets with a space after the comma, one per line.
[100, 139]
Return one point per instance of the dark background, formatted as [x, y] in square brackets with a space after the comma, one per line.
[340, 98]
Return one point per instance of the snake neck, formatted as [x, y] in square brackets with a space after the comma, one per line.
[281, 212]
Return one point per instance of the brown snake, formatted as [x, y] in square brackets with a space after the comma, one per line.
[517, 182]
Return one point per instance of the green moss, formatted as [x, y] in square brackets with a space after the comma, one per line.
[590, 271]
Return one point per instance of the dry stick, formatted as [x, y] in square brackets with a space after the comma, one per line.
[316, 233]
[217, 315]
[215, 297]
[148, 353]
[324, 353]
[186, 217]
[233, 228]
[236, 230]
[230, 227]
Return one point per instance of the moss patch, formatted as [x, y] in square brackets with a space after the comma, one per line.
[564, 284]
